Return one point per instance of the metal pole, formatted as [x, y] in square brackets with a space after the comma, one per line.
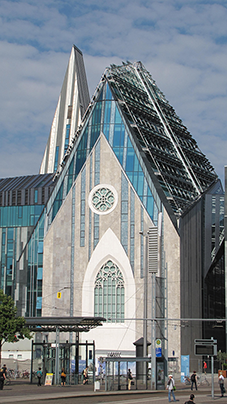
[212, 376]
[145, 311]
[56, 379]
[31, 371]
[153, 330]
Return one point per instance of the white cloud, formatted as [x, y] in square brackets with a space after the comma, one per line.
[181, 42]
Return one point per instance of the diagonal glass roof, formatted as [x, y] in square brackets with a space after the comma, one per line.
[182, 170]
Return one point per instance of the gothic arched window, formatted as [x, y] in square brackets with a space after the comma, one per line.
[109, 293]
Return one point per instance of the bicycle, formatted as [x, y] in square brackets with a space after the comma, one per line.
[187, 380]
[7, 381]
[25, 374]
[202, 381]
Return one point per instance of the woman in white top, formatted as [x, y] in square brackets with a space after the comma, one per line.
[170, 388]
[221, 383]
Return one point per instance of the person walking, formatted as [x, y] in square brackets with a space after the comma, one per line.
[2, 378]
[171, 387]
[85, 376]
[221, 384]
[4, 369]
[39, 376]
[194, 380]
[63, 377]
[191, 399]
[205, 367]
[129, 376]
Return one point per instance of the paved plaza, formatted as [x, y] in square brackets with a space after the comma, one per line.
[21, 391]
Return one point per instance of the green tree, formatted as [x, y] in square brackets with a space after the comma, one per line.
[222, 357]
[12, 327]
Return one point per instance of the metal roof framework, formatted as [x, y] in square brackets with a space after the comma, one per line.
[63, 324]
[182, 170]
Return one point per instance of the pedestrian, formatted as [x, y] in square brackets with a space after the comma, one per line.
[2, 378]
[39, 376]
[171, 387]
[194, 380]
[4, 369]
[205, 367]
[129, 377]
[63, 377]
[191, 399]
[85, 376]
[221, 384]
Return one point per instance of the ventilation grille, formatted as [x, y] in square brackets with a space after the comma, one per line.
[153, 250]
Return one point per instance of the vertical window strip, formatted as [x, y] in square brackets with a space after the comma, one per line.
[90, 212]
[72, 251]
[132, 228]
[124, 212]
[56, 159]
[97, 164]
[142, 243]
[89, 138]
[112, 116]
[82, 208]
[3, 257]
[67, 137]
[96, 230]
[90, 234]
[96, 182]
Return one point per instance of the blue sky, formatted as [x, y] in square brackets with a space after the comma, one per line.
[183, 44]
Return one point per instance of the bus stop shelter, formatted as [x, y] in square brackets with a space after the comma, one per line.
[52, 352]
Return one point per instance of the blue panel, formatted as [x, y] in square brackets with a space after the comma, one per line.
[56, 159]
[150, 204]
[117, 116]
[40, 274]
[108, 93]
[70, 175]
[97, 164]
[67, 137]
[140, 184]
[39, 303]
[117, 136]
[81, 152]
[124, 207]
[40, 247]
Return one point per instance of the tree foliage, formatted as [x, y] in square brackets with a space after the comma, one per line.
[12, 327]
[222, 357]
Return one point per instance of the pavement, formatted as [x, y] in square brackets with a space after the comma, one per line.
[23, 391]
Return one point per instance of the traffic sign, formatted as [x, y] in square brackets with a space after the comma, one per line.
[202, 349]
[205, 347]
[205, 341]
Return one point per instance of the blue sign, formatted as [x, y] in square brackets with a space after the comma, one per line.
[158, 352]
[184, 367]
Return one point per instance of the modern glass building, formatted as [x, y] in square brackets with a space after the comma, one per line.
[131, 169]
[22, 200]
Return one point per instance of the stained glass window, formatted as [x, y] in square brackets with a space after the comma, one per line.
[109, 293]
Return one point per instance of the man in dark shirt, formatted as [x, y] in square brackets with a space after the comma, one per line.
[191, 400]
[2, 379]
[4, 368]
